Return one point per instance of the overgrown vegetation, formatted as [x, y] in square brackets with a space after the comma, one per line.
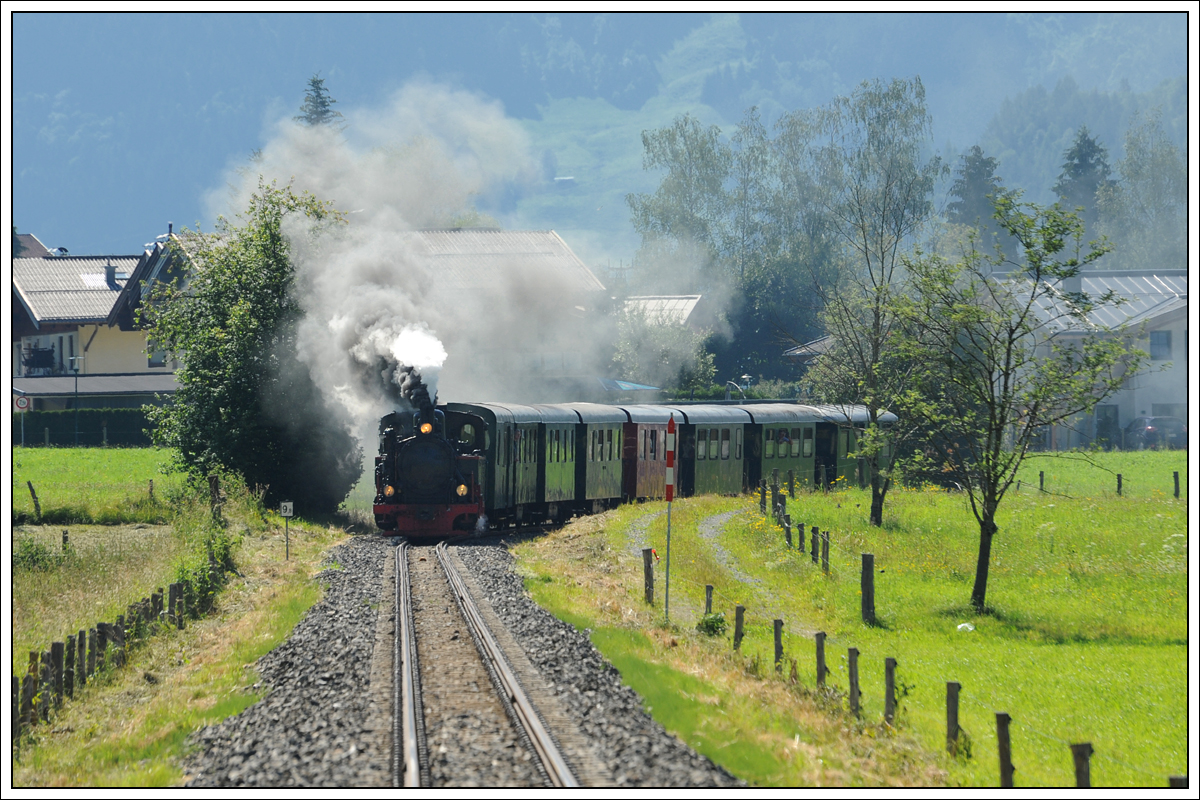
[127, 729]
[1084, 638]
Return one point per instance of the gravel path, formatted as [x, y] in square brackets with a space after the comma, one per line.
[637, 532]
[710, 529]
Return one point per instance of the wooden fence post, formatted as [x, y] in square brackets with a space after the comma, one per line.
[93, 647]
[855, 707]
[868, 588]
[16, 708]
[792, 484]
[952, 690]
[800, 537]
[1006, 767]
[1042, 480]
[81, 658]
[57, 651]
[825, 551]
[648, 573]
[37, 507]
[782, 505]
[762, 496]
[779, 645]
[66, 542]
[821, 669]
[45, 687]
[28, 690]
[787, 529]
[152, 490]
[1082, 753]
[69, 667]
[739, 618]
[815, 542]
[1118, 484]
[1177, 484]
[708, 590]
[889, 686]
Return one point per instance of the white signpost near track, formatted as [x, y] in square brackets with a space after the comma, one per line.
[285, 509]
[670, 500]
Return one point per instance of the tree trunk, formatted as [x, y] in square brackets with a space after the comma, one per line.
[987, 529]
[877, 495]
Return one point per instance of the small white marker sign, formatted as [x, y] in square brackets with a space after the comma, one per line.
[285, 509]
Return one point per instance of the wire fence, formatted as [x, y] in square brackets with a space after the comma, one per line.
[823, 551]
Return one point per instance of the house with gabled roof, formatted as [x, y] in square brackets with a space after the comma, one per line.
[66, 341]
[1154, 316]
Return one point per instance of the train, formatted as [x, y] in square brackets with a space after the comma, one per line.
[463, 468]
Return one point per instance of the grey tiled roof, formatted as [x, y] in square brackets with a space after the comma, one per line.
[474, 258]
[70, 288]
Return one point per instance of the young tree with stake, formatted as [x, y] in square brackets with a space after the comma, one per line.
[1002, 356]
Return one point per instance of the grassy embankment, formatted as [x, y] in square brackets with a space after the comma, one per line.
[1086, 639]
[128, 728]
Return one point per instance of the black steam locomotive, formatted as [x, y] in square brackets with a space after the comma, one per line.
[461, 468]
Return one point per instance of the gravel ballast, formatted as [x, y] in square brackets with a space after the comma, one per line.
[313, 728]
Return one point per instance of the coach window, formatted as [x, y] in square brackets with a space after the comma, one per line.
[808, 443]
[769, 444]
[724, 444]
[701, 444]
[712, 444]
[466, 434]
[592, 447]
[610, 444]
[643, 451]
[850, 437]
[738, 447]
[654, 445]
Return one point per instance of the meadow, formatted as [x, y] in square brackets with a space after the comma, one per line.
[1085, 638]
[93, 485]
[129, 727]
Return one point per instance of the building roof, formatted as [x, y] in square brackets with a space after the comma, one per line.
[116, 384]
[70, 289]
[471, 258]
[665, 308]
[31, 247]
[1149, 294]
[810, 351]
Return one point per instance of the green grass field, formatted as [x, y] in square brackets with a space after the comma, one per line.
[1086, 639]
[92, 485]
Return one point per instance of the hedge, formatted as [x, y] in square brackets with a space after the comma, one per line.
[126, 426]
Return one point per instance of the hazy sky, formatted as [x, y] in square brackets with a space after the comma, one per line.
[121, 122]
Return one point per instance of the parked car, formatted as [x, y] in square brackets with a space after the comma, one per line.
[1162, 432]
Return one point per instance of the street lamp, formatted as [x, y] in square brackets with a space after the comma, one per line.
[75, 368]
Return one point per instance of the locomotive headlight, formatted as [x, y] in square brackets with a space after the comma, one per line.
[388, 491]
[426, 427]
[462, 490]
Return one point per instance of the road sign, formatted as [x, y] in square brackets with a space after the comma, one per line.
[285, 509]
[22, 403]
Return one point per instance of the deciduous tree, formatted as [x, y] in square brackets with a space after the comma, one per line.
[867, 166]
[244, 403]
[1006, 346]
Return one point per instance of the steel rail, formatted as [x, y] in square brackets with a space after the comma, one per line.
[552, 760]
[406, 753]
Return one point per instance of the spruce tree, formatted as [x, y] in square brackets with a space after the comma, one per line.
[318, 105]
[1084, 173]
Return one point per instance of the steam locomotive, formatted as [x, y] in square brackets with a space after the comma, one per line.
[463, 468]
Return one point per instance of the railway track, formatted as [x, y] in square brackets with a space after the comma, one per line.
[461, 716]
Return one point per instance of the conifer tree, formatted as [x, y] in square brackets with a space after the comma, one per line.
[318, 105]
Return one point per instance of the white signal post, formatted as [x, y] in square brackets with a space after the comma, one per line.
[670, 500]
[285, 510]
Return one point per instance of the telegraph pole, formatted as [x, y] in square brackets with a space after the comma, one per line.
[670, 500]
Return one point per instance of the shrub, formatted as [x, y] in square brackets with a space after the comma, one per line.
[30, 554]
[712, 624]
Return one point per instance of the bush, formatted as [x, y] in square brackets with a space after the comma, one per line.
[712, 624]
[31, 554]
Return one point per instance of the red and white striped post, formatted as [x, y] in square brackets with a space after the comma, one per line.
[670, 499]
